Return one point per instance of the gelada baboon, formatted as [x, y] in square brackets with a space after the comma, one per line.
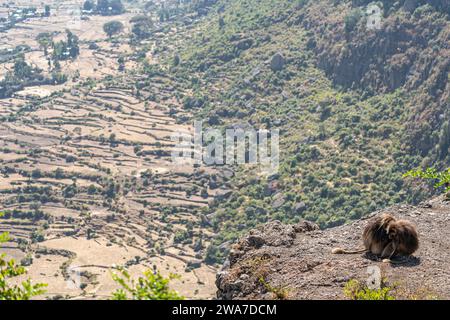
[387, 237]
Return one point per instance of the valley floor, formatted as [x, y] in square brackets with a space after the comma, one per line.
[86, 173]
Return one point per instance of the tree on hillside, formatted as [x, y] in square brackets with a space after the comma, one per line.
[72, 44]
[113, 27]
[351, 20]
[63, 50]
[21, 69]
[9, 269]
[141, 26]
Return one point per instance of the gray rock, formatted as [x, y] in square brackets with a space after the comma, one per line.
[277, 63]
[255, 241]
[244, 44]
[222, 195]
[278, 200]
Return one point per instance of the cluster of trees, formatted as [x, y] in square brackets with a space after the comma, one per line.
[34, 215]
[64, 50]
[47, 11]
[21, 75]
[24, 74]
[351, 20]
[104, 7]
[113, 27]
[61, 50]
[183, 236]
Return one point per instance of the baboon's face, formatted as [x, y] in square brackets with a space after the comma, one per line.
[392, 231]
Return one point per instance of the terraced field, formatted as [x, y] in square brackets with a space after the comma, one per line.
[86, 176]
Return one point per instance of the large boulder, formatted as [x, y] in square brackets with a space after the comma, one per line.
[277, 63]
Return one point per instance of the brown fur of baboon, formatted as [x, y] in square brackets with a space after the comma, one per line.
[387, 237]
[375, 236]
[404, 238]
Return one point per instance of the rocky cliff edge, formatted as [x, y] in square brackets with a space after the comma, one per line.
[295, 261]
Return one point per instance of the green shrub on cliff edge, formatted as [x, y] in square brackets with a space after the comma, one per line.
[355, 290]
[440, 179]
[9, 269]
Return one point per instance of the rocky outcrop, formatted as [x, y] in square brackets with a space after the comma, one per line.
[298, 259]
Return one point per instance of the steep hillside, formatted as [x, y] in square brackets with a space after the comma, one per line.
[295, 262]
[356, 107]
[410, 52]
